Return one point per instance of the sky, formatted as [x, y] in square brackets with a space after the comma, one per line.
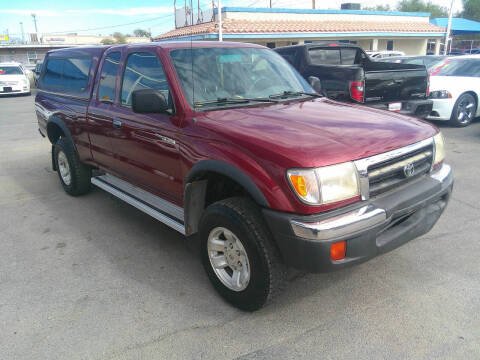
[107, 16]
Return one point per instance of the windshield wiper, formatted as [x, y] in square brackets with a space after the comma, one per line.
[221, 101]
[287, 94]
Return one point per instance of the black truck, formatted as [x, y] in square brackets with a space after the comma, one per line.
[347, 73]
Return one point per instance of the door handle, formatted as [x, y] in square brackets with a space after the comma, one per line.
[117, 124]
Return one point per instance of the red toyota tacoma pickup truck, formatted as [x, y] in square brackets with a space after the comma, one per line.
[229, 142]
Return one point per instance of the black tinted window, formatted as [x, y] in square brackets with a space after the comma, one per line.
[106, 89]
[53, 73]
[143, 71]
[67, 74]
[325, 56]
[75, 73]
[289, 55]
[348, 56]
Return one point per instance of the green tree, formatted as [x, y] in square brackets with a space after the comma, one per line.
[141, 33]
[107, 41]
[422, 6]
[119, 38]
[471, 9]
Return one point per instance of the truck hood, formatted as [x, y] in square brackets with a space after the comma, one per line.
[315, 133]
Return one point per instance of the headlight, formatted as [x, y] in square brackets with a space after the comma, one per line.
[325, 185]
[440, 94]
[439, 149]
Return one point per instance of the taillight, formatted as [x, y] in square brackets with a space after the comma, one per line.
[357, 90]
[428, 85]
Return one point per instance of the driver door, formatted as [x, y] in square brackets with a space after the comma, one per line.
[146, 145]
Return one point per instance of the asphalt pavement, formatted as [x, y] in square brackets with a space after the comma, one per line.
[94, 278]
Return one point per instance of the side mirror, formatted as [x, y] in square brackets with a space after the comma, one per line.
[315, 83]
[149, 101]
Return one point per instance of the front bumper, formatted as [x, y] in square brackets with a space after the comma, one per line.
[419, 108]
[442, 109]
[370, 228]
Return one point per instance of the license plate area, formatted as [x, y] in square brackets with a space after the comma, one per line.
[397, 106]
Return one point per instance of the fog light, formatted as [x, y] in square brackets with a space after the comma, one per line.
[337, 251]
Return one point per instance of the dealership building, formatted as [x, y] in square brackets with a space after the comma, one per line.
[410, 32]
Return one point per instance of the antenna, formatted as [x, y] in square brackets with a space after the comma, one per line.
[220, 30]
[191, 57]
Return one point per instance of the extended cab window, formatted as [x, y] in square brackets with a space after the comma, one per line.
[324, 56]
[143, 71]
[334, 56]
[69, 74]
[106, 89]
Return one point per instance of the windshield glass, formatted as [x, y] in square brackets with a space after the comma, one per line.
[457, 67]
[10, 70]
[239, 73]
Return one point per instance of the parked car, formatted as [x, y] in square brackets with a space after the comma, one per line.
[376, 55]
[428, 60]
[227, 141]
[455, 89]
[347, 74]
[36, 72]
[13, 79]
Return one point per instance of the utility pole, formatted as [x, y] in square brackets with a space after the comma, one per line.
[220, 30]
[23, 34]
[449, 27]
[270, 4]
[313, 4]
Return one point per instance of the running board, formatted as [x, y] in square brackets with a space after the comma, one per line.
[158, 208]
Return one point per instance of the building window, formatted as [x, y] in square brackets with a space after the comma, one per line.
[32, 57]
[271, 45]
[390, 45]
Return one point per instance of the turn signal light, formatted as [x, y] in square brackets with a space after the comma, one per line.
[337, 250]
[298, 183]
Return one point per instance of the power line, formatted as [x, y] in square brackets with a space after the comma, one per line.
[111, 26]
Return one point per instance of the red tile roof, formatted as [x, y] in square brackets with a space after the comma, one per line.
[234, 26]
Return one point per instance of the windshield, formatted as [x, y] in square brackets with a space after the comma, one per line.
[234, 73]
[10, 70]
[457, 67]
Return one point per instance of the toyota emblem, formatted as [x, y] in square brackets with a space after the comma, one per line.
[409, 170]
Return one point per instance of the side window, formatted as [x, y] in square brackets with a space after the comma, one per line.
[75, 73]
[324, 56]
[143, 71]
[69, 75]
[53, 73]
[106, 88]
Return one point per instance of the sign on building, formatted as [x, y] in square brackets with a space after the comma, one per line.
[3, 37]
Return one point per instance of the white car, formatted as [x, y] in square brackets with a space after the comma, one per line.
[13, 79]
[384, 54]
[455, 90]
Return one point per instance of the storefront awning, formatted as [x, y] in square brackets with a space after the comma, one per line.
[459, 25]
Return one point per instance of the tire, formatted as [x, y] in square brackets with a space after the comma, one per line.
[464, 110]
[74, 176]
[266, 273]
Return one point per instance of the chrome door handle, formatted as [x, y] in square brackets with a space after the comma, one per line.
[117, 124]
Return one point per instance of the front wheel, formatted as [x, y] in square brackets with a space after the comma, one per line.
[464, 110]
[238, 254]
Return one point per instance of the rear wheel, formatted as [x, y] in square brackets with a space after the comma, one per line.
[238, 254]
[464, 110]
[74, 175]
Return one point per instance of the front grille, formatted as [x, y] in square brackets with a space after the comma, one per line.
[394, 172]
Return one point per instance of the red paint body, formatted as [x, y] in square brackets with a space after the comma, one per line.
[261, 141]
